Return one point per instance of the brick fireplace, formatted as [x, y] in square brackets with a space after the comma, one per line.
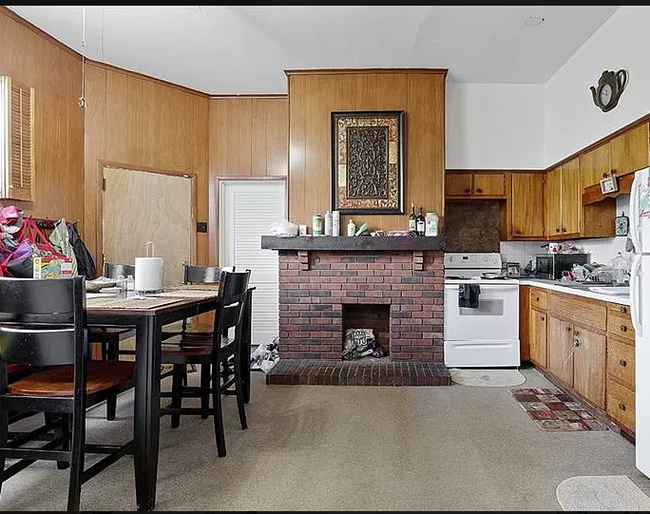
[391, 284]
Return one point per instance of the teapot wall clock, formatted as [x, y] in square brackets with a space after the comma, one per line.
[609, 89]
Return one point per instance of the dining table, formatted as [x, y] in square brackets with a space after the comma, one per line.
[148, 314]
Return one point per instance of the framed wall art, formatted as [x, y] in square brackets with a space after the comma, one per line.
[368, 162]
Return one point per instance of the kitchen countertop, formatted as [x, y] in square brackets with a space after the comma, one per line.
[554, 285]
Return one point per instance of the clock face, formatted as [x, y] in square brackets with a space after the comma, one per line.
[605, 94]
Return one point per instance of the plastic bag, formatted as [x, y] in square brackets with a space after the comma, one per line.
[265, 356]
[358, 343]
[284, 228]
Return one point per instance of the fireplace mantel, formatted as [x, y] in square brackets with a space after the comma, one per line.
[345, 243]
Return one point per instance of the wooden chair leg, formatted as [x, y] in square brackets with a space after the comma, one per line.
[178, 374]
[205, 390]
[77, 458]
[217, 415]
[239, 392]
[63, 431]
[112, 354]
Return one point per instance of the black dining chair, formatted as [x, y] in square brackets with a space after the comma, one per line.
[43, 324]
[220, 353]
[109, 337]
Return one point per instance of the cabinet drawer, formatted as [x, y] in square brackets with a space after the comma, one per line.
[620, 325]
[618, 308]
[538, 299]
[588, 313]
[620, 404]
[620, 361]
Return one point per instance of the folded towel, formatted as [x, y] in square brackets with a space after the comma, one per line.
[468, 295]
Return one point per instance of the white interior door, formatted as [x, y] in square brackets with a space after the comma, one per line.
[247, 209]
[141, 206]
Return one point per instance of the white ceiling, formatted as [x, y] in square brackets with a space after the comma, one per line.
[245, 50]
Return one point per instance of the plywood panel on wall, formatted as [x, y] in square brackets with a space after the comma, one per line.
[139, 122]
[31, 57]
[314, 94]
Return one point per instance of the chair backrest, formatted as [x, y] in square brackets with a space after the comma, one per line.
[233, 291]
[42, 321]
[115, 270]
[203, 274]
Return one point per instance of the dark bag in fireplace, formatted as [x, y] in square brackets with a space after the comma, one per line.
[358, 343]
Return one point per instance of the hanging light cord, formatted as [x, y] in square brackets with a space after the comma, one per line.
[82, 98]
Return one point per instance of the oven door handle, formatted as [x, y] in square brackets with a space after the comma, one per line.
[487, 286]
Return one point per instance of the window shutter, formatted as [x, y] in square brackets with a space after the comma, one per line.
[16, 140]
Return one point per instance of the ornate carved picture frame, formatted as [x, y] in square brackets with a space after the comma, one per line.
[368, 162]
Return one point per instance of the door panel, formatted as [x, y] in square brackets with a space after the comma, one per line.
[571, 197]
[141, 206]
[560, 349]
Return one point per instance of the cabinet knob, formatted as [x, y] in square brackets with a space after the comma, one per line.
[622, 362]
[568, 329]
[468, 190]
[557, 229]
[542, 318]
[479, 190]
[623, 328]
[517, 231]
[563, 229]
[621, 406]
[623, 308]
[537, 299]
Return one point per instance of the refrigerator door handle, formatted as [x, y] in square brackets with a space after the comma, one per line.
[634, 215]
[634, 295]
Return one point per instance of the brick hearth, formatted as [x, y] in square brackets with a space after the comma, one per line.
[364, 372]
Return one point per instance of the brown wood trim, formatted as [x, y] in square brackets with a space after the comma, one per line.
[592, 194]
[40, 32]
[495, 171]
[270, 96]
[347, 71]
[110, 67]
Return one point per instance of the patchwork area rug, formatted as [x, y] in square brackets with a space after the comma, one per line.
[493, 377]
[596, 493]
[554, 410]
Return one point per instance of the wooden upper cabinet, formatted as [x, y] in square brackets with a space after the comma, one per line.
[458, 184]
[490, 185]
[563, 206]
[594, 164]
[623, 154]
[628, 151]
[571, 198]
[527, 205]
[475, 185]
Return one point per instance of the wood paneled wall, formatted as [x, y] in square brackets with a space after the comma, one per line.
[249, 138]
[35, 59]
[139, 122]
[314, 94]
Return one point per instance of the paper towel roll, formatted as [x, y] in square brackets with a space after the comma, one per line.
[148, 274]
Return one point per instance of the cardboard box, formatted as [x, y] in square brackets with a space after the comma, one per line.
[52, 267]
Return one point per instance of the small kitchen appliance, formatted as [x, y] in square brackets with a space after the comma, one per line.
[551, 266]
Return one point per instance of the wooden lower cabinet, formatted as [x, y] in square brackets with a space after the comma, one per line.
[537, 337]
[560, 349]
[589, 365]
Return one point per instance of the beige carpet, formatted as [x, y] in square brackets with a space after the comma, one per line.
[493, 377]
[596, 493]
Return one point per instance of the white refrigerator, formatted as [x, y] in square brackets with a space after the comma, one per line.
[640, 309]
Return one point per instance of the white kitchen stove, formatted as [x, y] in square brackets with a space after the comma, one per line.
[483, 332]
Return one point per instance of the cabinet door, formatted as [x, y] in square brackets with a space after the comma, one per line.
[629, 150]
[589, 365]
[560, 350]
[593, 164]
[493, 185]
[458, 184]
[527, 205]
[571, 198]
[553, 203]
[538, 338]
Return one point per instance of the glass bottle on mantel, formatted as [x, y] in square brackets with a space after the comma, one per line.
[420, 224]
[412, 220]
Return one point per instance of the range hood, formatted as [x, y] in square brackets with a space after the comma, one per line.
[593, 194]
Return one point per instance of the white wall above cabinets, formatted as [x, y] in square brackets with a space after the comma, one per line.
[494, 126]
[572, 120]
